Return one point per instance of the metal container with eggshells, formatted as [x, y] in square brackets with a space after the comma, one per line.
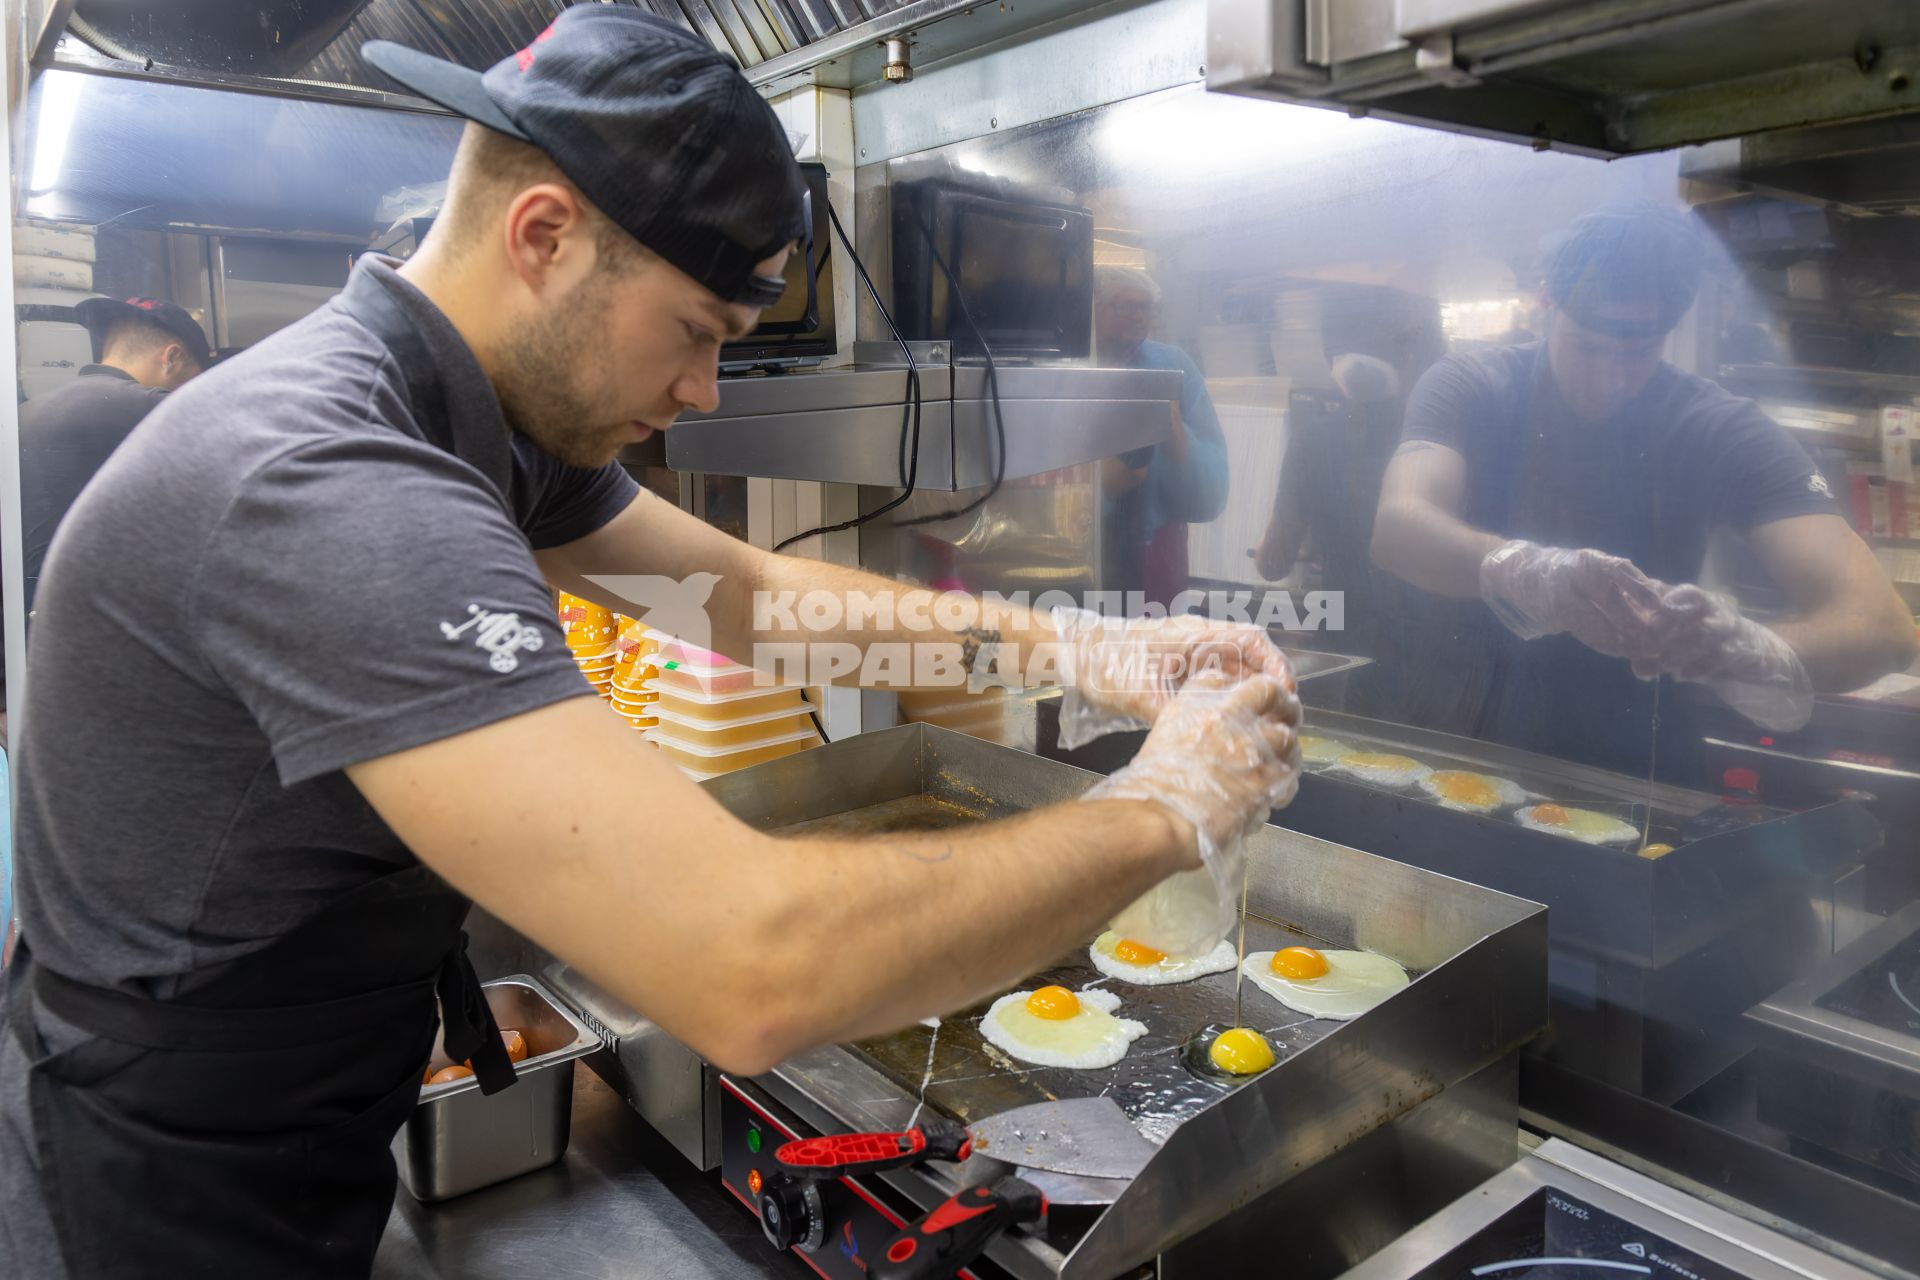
[459, 1139]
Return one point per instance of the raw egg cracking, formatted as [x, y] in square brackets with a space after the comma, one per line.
[1134, 962]
[1240, 1052]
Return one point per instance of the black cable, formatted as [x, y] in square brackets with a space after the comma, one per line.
[909, 418]
[993, 393]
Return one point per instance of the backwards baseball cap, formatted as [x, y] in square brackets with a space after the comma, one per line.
[99, 315]
[1629, 255]
[655, 126]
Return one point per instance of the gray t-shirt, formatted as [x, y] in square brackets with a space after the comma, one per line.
[312, 555]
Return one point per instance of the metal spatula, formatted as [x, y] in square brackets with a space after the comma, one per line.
[1091, 1137]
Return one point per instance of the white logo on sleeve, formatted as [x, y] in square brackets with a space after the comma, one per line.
[1817, 483]
[502, 635]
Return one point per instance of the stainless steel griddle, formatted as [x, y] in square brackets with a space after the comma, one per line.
[1730, 862]
[1437, 1056]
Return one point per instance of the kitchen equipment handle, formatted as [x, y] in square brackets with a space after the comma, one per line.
[954, 1234]
[846, 1155]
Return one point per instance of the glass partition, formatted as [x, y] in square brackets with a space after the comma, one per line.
[1580, 492]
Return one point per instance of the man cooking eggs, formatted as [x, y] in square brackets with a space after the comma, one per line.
[1576, 485]
[269, 765]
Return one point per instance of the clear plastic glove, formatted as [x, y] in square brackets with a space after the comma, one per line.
[1222, 758]
[1705, 639]
[1603, 601]
[1608, 605]
[1120, 672]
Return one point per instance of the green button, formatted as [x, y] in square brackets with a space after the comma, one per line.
[753, 1141]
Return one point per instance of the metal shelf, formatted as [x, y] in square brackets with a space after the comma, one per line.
[1793, 375]
[1812, 436]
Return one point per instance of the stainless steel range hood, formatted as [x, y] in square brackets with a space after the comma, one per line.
[311, 48]
[1868, 167]
[1607, 77]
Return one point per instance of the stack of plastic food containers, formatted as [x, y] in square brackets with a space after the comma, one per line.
[590, 633]
[715, 716]
[635, 662]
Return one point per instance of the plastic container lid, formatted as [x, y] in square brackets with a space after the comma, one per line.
[673, 649]
[692, 683]
[664, 735]
[669, 716]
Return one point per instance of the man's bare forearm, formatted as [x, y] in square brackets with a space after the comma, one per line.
[1431, 549]
[879, 932]
[1844, 650]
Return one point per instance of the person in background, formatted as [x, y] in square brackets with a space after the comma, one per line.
[1153, 493]
[1378, 342]
[142, 349]
[1573, 484]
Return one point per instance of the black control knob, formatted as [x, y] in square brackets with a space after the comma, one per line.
[791, 1214]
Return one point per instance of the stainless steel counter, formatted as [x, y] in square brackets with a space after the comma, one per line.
[621, 1203]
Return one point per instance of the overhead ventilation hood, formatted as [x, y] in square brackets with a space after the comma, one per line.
[311, 48]
[1602, 77]
[1869, 167]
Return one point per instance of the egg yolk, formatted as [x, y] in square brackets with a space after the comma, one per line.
[1464, 788]
[1550, 813]
[1055, 1004]
[1301, 964]
[1379, 760]
[1135, 953]
[1656, 851]
[1240, 1052]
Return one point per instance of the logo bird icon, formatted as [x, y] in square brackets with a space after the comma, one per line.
[677, 606]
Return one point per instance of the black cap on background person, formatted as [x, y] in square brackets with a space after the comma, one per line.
[143, 348]
[156, 343]
[1608, 261]
[656, 127]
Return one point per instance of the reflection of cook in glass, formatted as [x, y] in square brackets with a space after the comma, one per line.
[1573, 485]
[1153, 493]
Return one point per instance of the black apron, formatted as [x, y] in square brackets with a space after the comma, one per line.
[244, 1128]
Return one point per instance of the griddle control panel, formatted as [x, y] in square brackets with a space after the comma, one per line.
[831, 1225]
[1552, 1235]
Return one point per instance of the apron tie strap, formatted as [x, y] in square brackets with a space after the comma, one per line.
[470, 1033]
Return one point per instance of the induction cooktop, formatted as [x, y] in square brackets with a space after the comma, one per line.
[1885, 993]
[1552, 1235]
[1563, 1213]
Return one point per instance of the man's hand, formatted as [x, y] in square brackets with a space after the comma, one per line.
[1221, 756]
[1120, 672]
[1705, 639]
[1681, 631]
[1603, 601]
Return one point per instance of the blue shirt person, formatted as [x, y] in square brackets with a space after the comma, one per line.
[1151, 494]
